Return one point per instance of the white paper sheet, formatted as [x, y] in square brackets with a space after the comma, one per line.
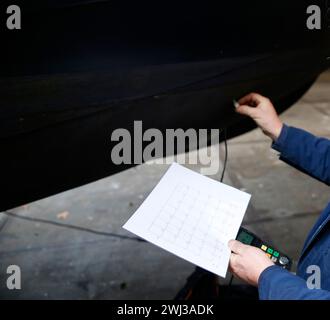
[191, 216]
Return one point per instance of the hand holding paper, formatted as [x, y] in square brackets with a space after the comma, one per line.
[193, 217]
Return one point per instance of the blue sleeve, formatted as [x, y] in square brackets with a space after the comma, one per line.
[305, 152]
[276, 283]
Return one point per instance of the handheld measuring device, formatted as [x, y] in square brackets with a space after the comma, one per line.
[276, 256]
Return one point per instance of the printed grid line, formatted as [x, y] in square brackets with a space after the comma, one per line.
[181, 222]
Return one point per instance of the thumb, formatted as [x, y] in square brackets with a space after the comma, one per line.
[246, 110]
[236, 247]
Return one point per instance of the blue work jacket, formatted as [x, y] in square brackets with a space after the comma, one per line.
[311, 155]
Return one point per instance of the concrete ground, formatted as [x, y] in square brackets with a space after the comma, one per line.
[64, 263]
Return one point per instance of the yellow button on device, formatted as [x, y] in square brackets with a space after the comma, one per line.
[263, 247]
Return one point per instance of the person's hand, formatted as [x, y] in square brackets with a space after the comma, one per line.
[247, 262]
[262, 111]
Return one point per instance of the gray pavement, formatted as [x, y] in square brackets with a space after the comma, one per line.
[63, 263]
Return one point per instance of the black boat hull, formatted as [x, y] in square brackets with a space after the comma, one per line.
[57, 116]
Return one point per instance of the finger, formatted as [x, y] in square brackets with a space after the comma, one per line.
[251, 98]
[247, 111]
[236, 246]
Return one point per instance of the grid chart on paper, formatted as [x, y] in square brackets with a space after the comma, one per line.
[191, 219]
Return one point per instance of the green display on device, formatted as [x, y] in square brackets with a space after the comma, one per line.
[245, 237]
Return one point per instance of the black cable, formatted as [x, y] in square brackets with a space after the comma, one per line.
[222, 177]
[226, 155]
[74, 227]
[231, 281]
